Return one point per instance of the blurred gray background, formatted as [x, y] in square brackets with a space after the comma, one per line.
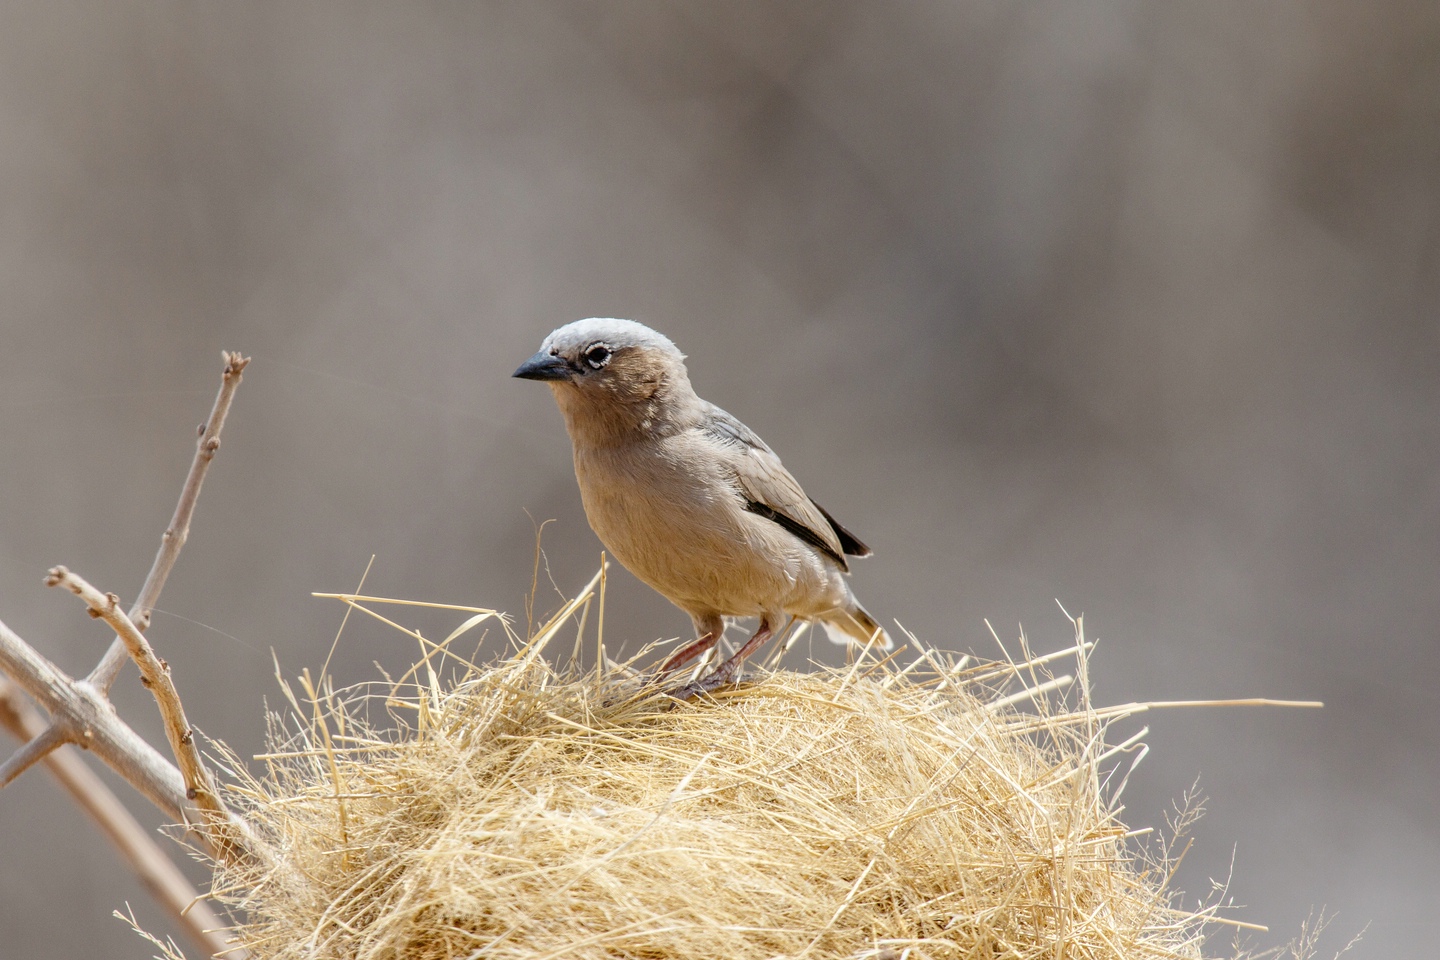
[1128, 304]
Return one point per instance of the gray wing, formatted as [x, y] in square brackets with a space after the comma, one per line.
[772, 492]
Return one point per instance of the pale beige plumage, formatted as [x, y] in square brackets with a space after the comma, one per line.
[689, 499]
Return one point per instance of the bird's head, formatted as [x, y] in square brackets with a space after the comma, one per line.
[610, 368]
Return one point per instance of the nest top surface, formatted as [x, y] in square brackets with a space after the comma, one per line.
[932, 810]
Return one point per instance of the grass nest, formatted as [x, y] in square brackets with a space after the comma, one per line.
[910, 807]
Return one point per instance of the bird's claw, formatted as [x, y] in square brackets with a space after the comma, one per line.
[722, 677]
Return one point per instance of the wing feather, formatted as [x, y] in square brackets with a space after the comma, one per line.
[771, 491]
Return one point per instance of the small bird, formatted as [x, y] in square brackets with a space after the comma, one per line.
[691, 500]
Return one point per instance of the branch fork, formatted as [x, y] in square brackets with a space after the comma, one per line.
[154, 674]
[81, 713]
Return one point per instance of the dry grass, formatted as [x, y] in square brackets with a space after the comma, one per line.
[913, 808]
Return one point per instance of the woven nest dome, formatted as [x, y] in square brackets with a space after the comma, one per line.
[908, 808]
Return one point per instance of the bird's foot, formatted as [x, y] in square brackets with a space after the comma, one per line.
[723, 676]
[684, 655]
[729, 671]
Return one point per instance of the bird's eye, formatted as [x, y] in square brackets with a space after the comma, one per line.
[597, 355]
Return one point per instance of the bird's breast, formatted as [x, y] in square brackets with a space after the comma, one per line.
[675, 521]
[638, 494]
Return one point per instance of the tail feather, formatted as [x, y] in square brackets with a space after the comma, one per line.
[855, 625]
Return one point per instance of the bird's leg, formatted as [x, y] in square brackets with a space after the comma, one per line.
[708, 631]
[728, 671]
[688, 652]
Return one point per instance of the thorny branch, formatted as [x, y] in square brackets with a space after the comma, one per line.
[82, 716]
[81, 713]
[179, 529]
[69, 727]
[226, 834]
[156, 870]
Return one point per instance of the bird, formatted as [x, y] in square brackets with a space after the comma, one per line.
[692, 501]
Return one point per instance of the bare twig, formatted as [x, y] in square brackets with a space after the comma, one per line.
[155, 675]
[81, 714]
[179, 530]
[88, 696]
[39, 743]
[88, 720]
[156, 870]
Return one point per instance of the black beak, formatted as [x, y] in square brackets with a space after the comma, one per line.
[543, 366]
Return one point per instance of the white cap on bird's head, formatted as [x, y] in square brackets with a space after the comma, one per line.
[587, 346]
